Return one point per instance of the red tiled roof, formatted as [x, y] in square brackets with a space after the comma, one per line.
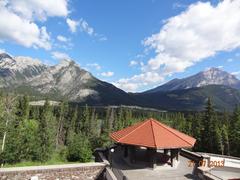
[152, 133]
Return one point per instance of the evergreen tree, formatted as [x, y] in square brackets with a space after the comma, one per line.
[208, 134]
[44, 134]
[85, 121]
[29, 140]
[10, 139]
[196, 130]
[225, 135]
[220, 141]
[61, 122]
[235, 132]
[71, 128]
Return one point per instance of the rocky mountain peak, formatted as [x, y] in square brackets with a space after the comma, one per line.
[211, 76]
[4, 56]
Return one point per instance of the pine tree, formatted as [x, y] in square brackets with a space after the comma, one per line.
[225, 135]
[85, 121]
[71, 128]
[61, 120]
[220, 141]
[22, 110]
[196, 130]
[9, 143]
[208, 134]
[29, 140]
[45, 142]
[235, 132]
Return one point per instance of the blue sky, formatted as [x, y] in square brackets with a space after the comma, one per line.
[136, 45]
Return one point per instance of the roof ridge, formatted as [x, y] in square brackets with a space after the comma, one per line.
[144, 122]
[151, 120]
[160, 124]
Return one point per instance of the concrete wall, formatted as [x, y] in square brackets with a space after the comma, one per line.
[81, 171]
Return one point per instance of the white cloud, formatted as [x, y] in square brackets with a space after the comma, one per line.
[236, 73]
[138, 81]
[62, 38]
[199, 32]
[107, 74]
[133, 63]
[38, 9]
[128, 87]
[17, 22]
[21, 31]
[230, 60]
[2, 51]
[102, 38]
[95, 66]
[84, 26]
[60, 55]
[72, 25]
[178, 5]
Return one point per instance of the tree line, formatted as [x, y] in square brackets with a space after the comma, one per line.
[71, 132]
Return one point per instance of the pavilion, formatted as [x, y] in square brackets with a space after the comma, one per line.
[151, 136]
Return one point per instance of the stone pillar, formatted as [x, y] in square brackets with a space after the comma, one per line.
[171, 156]
[174, 156]
[153, 156]
[132, 154]
[178, 152]
[165, 151]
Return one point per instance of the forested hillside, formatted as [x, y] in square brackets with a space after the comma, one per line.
[50, 134]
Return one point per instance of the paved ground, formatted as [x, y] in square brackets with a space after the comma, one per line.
[182, 172]
[226, 173]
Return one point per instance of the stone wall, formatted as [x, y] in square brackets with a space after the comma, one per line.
[82, 171]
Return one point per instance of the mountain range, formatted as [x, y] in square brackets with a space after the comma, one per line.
[212, 76]
[67, 80]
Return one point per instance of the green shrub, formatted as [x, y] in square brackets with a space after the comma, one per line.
[79, 149]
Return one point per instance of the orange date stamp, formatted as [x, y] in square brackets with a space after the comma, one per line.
[206, 163]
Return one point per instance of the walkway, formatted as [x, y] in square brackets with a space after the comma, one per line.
[182, 172]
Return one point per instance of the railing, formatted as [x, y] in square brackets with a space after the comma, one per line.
[119, 174]
[110, 172]
[191, 155]
[209, 175]
[219, 155]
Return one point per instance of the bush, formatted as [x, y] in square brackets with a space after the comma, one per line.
[79, 149]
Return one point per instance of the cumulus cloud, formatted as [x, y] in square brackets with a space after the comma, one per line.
[107, 74]
[236, 73]
[138, 81]
[82, 24]
[38, 9]
[95, 66]
[17, 22]
[197, 33]
[102, 38]
[72, 25]
[62, 38]
[133, 63]
[2, 51]
[60, 55]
